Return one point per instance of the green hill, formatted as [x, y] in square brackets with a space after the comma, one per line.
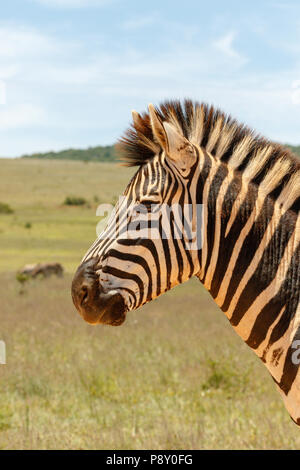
[106, 153]
[96, 154]
[295, 149]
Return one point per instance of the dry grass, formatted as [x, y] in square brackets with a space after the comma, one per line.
[174, 376]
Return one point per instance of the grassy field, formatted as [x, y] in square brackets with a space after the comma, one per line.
[174, 376]
[36, 191]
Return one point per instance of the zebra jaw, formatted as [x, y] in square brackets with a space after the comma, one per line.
[93, 304]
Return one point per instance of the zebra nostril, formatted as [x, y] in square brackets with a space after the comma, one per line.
[92, 303]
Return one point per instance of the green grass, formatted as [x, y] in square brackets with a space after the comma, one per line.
[37, 191]
[174, 376]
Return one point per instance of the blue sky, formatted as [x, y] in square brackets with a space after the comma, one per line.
[72, 70]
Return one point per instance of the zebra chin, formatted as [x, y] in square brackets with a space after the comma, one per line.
[93, 304]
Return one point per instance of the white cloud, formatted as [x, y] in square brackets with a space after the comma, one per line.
[25, 53]
[20, 116]
[140, 22]
[225, 45]
[8, 71]
[70, 93]
[19, 42]
[73, 3]
[295, 95]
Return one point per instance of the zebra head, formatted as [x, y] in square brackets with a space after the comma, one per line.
[150, 243]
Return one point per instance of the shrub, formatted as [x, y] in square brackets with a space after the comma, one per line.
[5, 208]
[5, 418]
[74, 201]
[28, 225]
[22, 278]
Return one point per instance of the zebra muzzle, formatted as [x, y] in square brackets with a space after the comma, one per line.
[93, 304]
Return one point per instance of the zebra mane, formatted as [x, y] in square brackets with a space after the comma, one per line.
[261, 160]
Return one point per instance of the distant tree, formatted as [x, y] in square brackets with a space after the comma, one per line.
[97, 154]
[294, 149]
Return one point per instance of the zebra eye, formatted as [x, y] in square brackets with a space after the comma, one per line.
[148, 203]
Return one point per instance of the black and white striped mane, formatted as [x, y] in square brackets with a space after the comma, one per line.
[220, 135]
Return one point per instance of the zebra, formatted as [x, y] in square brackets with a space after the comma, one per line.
[248, 187]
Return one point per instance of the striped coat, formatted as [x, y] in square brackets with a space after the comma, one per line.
[243, 244]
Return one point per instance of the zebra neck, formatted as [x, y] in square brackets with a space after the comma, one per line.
[250, 264]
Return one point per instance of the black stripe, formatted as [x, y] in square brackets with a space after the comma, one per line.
[290, 368]
[288, 297]
[125, 275]
[147, 243]
[200, 185]
[266, 269]
[250, 244]
[214, 190]
[136, 259]
[166, 249]
[227, 243]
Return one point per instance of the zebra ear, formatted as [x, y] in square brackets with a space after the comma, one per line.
[137, 119]
[158, 128]
[175, 145]
[176, 142]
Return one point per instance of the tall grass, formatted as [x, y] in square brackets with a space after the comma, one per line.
[174, 376]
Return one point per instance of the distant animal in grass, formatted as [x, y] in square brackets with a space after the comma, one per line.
[42, 269]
